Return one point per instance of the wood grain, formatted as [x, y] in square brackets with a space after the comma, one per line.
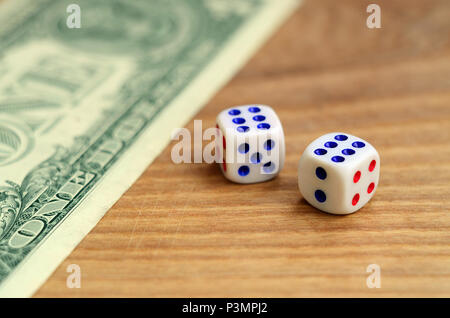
[184, 231]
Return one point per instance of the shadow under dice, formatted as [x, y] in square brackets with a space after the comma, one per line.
[338, 173]
[251, 143]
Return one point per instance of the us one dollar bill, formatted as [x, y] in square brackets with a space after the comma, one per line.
[83, 111]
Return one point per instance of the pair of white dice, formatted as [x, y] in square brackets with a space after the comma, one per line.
[337, 173]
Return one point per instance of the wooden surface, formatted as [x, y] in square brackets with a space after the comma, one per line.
[183, 230]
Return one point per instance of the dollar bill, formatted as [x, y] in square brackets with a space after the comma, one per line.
[83, 111]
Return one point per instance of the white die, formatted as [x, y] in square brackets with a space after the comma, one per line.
[338, 173]
[250, 142]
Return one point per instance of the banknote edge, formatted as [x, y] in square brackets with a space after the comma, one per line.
[29, 276]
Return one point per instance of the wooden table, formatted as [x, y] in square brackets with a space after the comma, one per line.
[184, 231]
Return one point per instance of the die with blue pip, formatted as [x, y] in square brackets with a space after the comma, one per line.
[250, 142]
[338, 173]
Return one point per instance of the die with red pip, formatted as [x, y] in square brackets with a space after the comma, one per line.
[338, 173]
